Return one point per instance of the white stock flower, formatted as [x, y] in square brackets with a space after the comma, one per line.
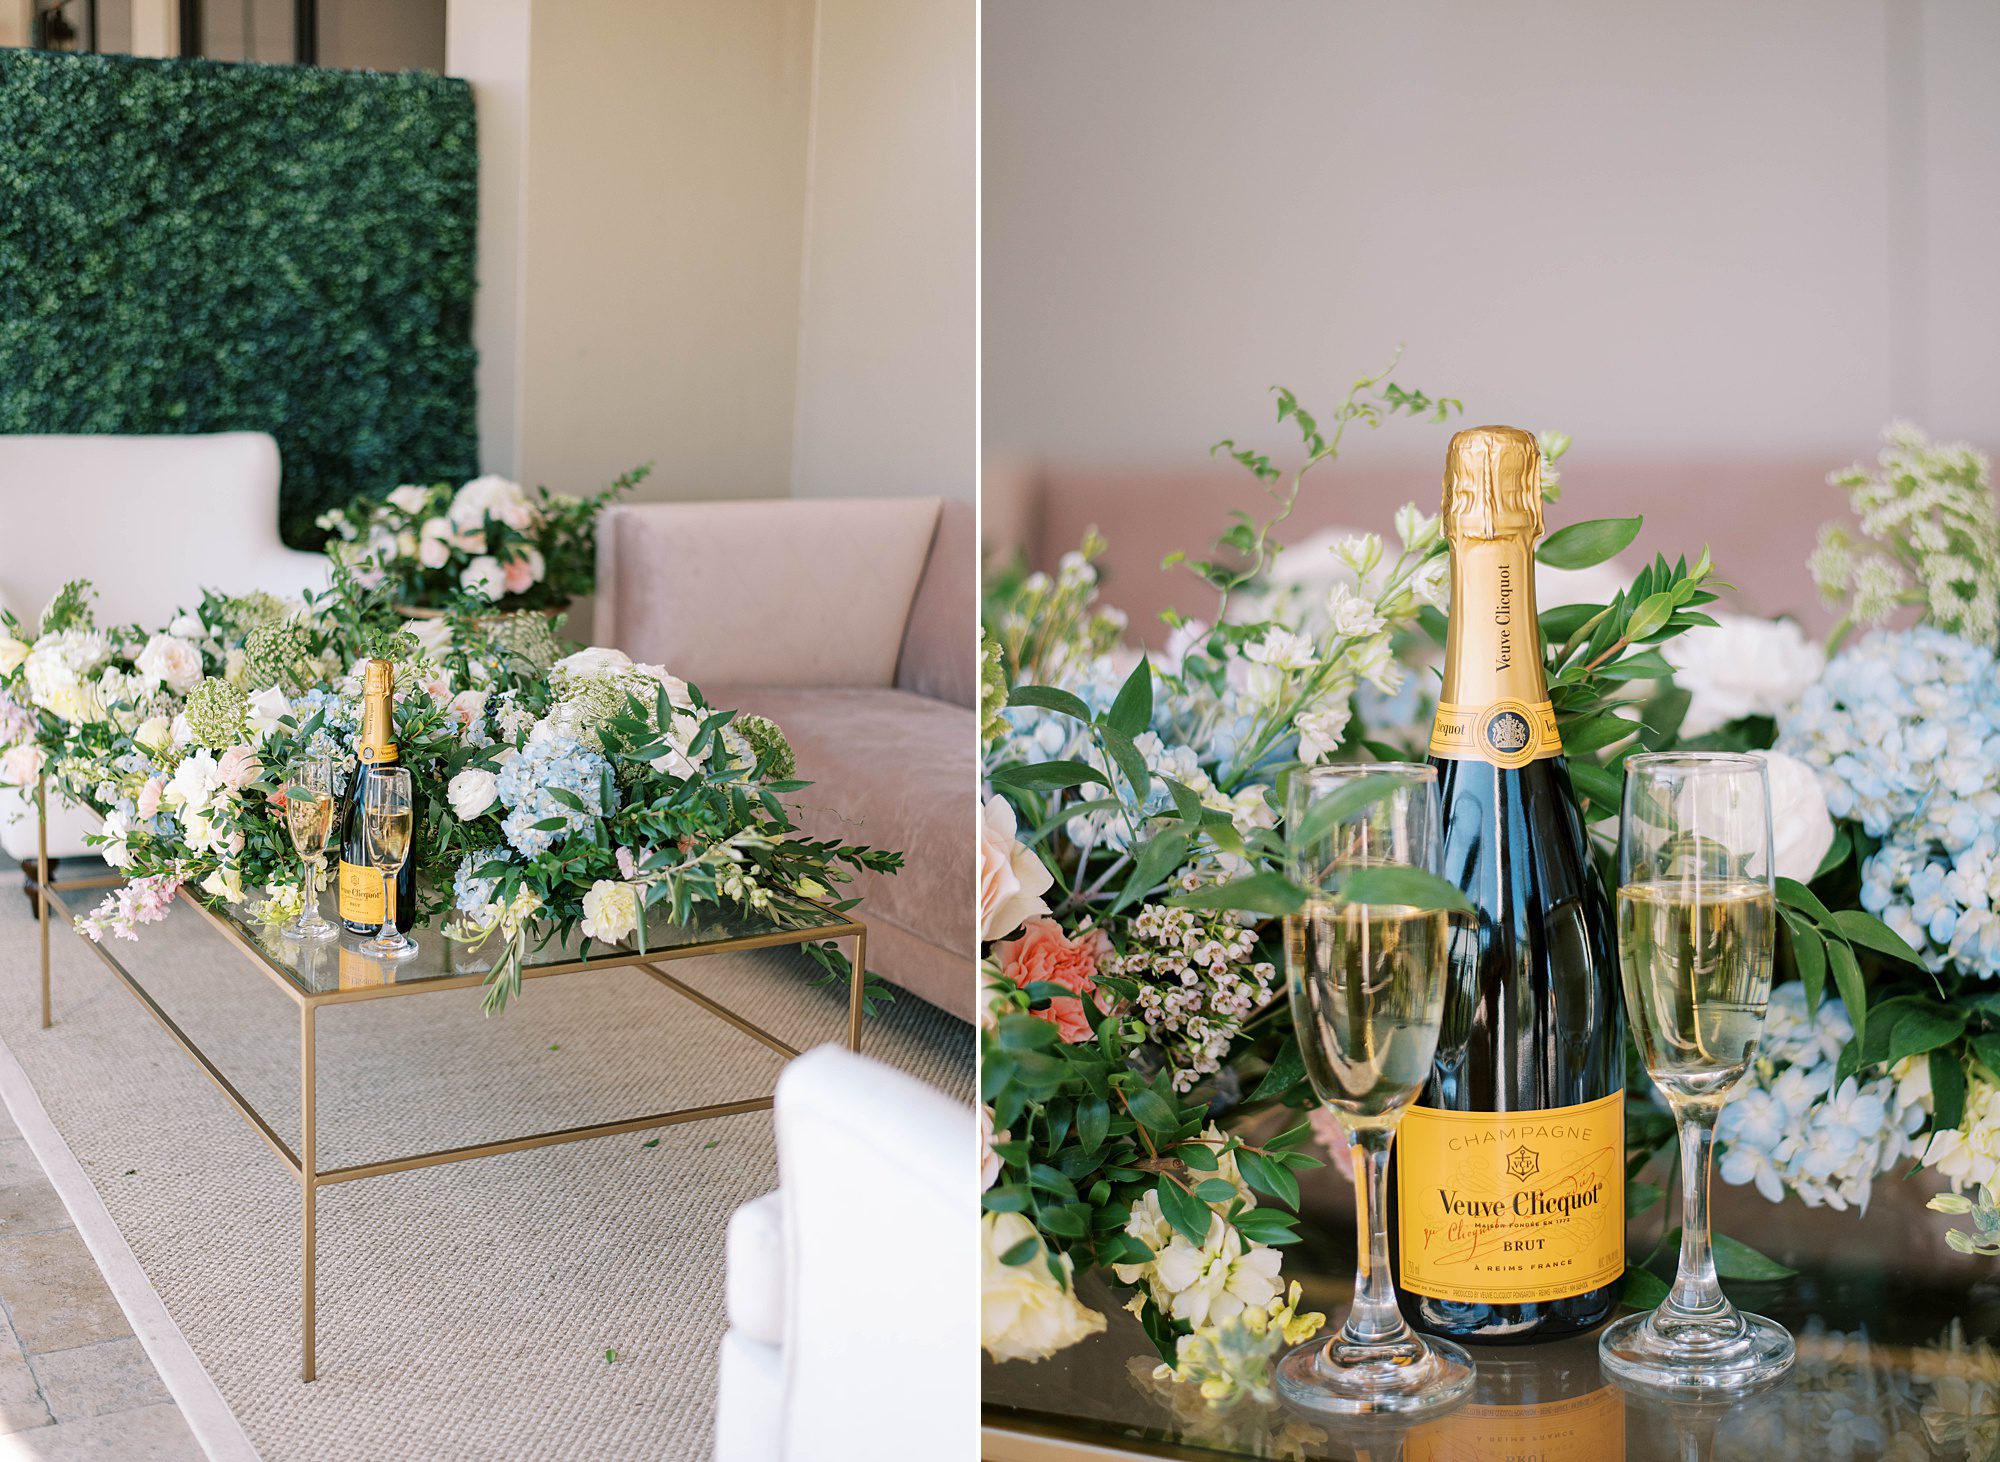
[611, 910]
[1745, 666]
[1351, 615]
[472, 792]
[1969, 1154]
[1024, 1312]
[1223, 1277]
[1801, 829]
[1360, 552]
[1012, 879]
[1418, 530]
[484, 577]
[12, 653]
[1320, 731]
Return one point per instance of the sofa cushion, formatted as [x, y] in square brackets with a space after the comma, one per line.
[891, 770]
[755, 1286]
[940, 645]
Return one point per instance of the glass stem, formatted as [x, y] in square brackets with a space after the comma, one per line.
[1374, 1319]
[1696, 1290]
[388, 920]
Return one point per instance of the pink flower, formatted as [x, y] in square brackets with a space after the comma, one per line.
[468, 706]
[1333, 1137]
[1044, 952]
[628, 866]
[149, 795]
[239, 767]
[523, 572]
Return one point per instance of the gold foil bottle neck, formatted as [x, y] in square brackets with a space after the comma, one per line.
[378, 696]
[1493, 484]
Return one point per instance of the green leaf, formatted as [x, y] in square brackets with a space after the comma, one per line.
[1093, 1121]
[1809, 956]
[1414, 887]
[1049, 698]
[1132, 711]
[1651, 615]
[1947, 1090]
[1986, 1046]
[1158, 858]
[1644, 666]
[1288, 1069]
[1187, 1213]
[1215, 1190]
[1847, 980]
[1798, 896]
[1735, 1259]
[1920, 1027]
[1582, 545]
[1641, 1196]
[1022, 1252]
[1564, 620]
[1601, 787]
[1269, 1178]
[1129, 761]
[1586, 734]
[1869, 932]
[1152, 1111]
[1643, 1289]
[1047, 776]
[1199, 1157]
[1270, 894]
[1344, 803]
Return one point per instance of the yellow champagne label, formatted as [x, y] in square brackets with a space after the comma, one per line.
[1511, 1207]
[1578, 1429]
[1508, 733]
[361, 894]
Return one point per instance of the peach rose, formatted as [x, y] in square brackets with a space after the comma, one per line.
[1012, 879]
[1044, 952]
[150, 794]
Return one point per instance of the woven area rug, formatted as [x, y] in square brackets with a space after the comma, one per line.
[560, 1303]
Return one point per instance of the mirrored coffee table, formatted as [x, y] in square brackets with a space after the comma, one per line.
[337, 973]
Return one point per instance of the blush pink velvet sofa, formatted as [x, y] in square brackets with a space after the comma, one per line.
[852, 624]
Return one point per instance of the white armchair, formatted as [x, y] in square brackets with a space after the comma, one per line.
[150, 521]
[851, 1289]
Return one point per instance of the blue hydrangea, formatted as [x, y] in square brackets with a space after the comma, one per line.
[1903, 732]
[528, 784]
[471, 893]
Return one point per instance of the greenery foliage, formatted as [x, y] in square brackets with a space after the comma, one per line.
[188, 246]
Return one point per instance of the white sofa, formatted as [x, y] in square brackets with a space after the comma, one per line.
[151, 522]
[852, 1310]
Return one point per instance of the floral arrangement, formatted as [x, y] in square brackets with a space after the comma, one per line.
[490, 543]
[568, 789]
[1143, 1087]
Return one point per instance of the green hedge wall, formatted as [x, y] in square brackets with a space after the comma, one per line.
[191, 246]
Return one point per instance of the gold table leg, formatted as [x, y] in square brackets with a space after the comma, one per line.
[42, 881]
[856, 981]
[308, 1189]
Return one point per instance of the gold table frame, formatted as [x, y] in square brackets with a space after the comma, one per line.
[304, 1163]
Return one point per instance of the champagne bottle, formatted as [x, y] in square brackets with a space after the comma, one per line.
[1510, 1192]
[361, 883]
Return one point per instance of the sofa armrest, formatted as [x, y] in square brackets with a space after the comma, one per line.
[880, 1223]
[784, 592]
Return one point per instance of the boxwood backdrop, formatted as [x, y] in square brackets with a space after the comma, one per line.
[191, 246]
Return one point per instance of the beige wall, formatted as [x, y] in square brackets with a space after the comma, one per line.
[886, 396]
[1743, 228]
[383, 35]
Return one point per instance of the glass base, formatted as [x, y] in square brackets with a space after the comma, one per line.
[312, 928]
[1333, 1376]
[390, 947]
[1688, 1356]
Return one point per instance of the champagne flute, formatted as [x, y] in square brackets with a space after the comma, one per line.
[387, 814]
[309, 809]
[1696, 919]
[1367, 985]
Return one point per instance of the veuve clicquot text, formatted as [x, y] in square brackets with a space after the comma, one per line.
[1510, 1179]
[362, 886]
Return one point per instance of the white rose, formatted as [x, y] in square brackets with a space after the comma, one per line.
[12, 653]
[484, 577]
[155, 734]
[22, 764]
[412, 500]
[1012, 879]
[188, 627]
[170, 661]
[1024, 1314]
[1745, 666]
[267, 707]
[490, 495]
[593, 661]
[472, 792]
[1801, 830]
[610, 910]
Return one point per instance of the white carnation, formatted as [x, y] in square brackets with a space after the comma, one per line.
[611, 910]
[1745, 666]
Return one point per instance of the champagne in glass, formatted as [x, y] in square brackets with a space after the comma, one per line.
[1367, 983]
[1696, 921]
[309, 807]
[388, 819]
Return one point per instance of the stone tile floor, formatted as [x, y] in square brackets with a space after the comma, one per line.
[75, 1385]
